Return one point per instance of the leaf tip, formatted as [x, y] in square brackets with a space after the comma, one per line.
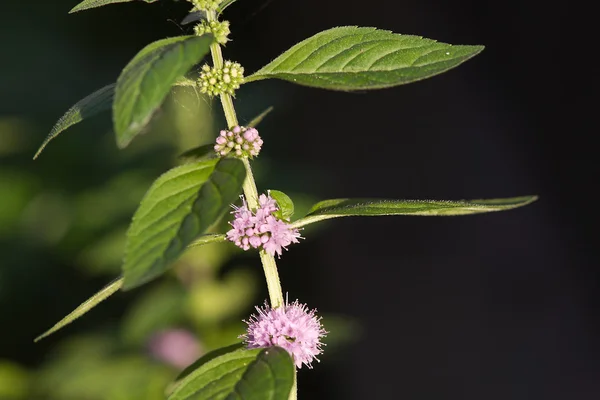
[46, 334]
[37, 339]
[532, 198]
[39, 151]
[258, 119]
[123, 140]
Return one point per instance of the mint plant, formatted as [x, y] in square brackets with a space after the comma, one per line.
[183, 207]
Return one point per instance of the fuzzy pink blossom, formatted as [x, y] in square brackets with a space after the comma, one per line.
[293, 327]
[261, 229]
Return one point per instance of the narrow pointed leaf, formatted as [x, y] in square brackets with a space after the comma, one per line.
[372, 207]
[100, 100]
[113, 287]
[241, 374]
[84, 307]
[87, 4]
[179, 206]
[208, 238]
[352, 58]
[224, 4]
[193, 17]
[147, 80]
[258, 119]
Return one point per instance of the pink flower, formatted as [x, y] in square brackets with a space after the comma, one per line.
[281, 236]
[292, 327]
[261, 228]
[244, 142]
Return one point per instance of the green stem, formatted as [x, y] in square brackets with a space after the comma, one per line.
[272, 276]
[251, 193]
[294, 392]
[249, 186]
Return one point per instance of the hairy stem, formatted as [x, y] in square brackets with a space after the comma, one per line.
[251, 193]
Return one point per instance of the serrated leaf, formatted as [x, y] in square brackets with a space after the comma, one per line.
[87, 4]
[148, 78]
[256, 374]
[286, 205]
[179, 206]
[100, 100]
[372, 207]
[352, 58]
[258, 119]
[84, 307]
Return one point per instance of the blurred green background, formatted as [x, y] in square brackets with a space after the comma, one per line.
[496, 306]
[64, 216]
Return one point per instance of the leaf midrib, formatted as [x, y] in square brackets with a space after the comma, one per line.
[313, 73]
[375, 43]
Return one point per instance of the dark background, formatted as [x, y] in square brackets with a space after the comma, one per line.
[495, 306]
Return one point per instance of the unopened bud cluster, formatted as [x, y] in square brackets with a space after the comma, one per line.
[217, 81]
[220, 30]
[207, 5]
[239, 140]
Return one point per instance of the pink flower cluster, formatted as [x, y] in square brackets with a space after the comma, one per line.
[242, 141]
[292, 327]
[261, 228]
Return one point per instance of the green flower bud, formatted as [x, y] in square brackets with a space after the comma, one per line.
[216, 81]
[206, 5]
[220, 30]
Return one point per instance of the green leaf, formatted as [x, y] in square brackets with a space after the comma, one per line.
[148, 78]
[208, 238]
[204, 152]
[286, 205]
[258, 119]
[372, 207]
[179, 206]
[115, 286]
[233, 373]
[100, 100]
[352, 58]
[84, 307]
[87, 4]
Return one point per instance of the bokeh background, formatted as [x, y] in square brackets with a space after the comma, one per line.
[496, 306]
